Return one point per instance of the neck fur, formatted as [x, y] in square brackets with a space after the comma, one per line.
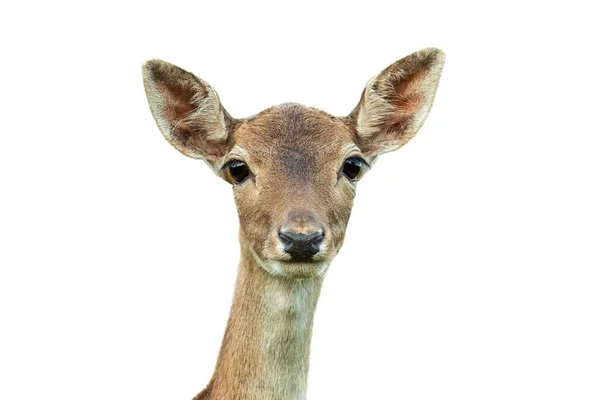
[265, 351]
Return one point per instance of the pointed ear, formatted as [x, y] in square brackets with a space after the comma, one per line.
[396, 102]
[187, 111]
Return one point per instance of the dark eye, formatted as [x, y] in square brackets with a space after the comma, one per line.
[238, 170]
[352, 167]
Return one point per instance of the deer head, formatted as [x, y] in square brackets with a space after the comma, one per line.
[294, 169]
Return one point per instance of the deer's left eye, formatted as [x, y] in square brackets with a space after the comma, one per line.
[352, 167]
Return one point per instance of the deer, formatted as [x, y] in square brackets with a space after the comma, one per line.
[294, 170]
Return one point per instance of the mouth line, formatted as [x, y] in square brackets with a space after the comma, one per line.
[299, 263]
[292, 261]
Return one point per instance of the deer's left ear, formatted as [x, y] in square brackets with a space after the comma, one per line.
[396, 102]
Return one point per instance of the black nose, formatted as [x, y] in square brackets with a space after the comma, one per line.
[300, 246]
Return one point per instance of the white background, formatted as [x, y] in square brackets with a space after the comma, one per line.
[471, 265]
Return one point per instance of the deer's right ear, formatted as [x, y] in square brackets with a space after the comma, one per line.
[187, 111]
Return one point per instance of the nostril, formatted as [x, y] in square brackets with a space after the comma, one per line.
[318, 239]
[286, 237]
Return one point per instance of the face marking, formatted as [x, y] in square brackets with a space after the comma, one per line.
[350, 150]
[239, 152]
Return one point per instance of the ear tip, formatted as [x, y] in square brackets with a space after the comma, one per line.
[434, 54]
[156, 68]
[434, 50]
[152, 66]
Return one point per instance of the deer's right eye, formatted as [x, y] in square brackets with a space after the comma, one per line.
[238, 170]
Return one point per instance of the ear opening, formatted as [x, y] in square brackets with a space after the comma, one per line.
[187, 111]
[395, 103]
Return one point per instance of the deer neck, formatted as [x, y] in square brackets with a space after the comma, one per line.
[265, 350]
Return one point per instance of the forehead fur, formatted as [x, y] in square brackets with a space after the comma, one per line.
[295, 139]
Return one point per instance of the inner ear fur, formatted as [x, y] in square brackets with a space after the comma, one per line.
[187, 111]
[395, 103]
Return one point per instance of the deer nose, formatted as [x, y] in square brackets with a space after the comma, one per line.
[301, 246]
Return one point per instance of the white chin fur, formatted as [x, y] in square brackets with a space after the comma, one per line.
[293, 269]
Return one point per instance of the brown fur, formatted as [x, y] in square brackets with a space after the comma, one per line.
[296, 156]
[266, 344]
